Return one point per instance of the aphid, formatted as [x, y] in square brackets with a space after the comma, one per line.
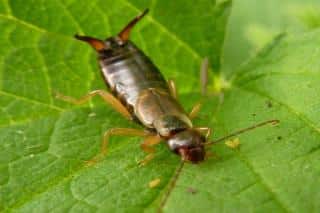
[139, 92]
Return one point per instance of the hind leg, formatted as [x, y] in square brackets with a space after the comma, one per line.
[205, 130]
[106, 96]
[204, 72]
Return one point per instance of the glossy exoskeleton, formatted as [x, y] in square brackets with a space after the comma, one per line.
[140, 93]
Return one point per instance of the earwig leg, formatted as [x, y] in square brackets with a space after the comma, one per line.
[120, 132]
[150, 141]
[204, 82]
[206, 130]
[147, 146]
[204, 75]
[195, 110]
[113, 132]
[146, 160]
[106, 96]
[173, 88]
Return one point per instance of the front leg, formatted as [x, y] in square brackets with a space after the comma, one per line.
[195, 110]
[115, 132]
[205, 130]
[147, 146]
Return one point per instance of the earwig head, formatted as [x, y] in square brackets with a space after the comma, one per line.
[114, 41]
[189, 144]
[192, 154]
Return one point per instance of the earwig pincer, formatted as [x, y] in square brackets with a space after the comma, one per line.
[140, 93]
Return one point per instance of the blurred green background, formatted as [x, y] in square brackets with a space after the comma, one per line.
[253, 23]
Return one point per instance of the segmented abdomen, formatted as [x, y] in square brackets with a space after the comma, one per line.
[130, 73]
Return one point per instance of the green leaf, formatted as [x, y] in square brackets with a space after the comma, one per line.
[277, 168]
[45, 142]
[253, 24]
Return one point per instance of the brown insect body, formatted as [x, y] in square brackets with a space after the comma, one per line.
[138, 84]
[140, 92]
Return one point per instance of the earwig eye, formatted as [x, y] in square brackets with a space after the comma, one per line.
[107, 44]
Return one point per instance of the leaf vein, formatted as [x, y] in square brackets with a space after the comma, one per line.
[295, 112]
[32, 101]
[263, 183]
[46, 76]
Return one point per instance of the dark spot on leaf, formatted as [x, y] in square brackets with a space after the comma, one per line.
[279, 137]
[254, 114]
[191, 190]
[269, 104]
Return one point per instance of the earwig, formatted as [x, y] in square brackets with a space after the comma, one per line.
[140, 93]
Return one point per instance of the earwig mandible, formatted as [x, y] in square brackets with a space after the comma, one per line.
[139, 92]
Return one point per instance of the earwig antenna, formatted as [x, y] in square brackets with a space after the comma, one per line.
[125, 33]
[97, 44]
[171, 186]
[204, 75]
[273, 122]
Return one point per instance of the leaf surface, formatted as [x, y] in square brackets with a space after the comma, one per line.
[253, 24]
[276, 168]
[44, 142]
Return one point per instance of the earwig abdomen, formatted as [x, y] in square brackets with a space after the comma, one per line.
[137, 82]
[127, 71]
